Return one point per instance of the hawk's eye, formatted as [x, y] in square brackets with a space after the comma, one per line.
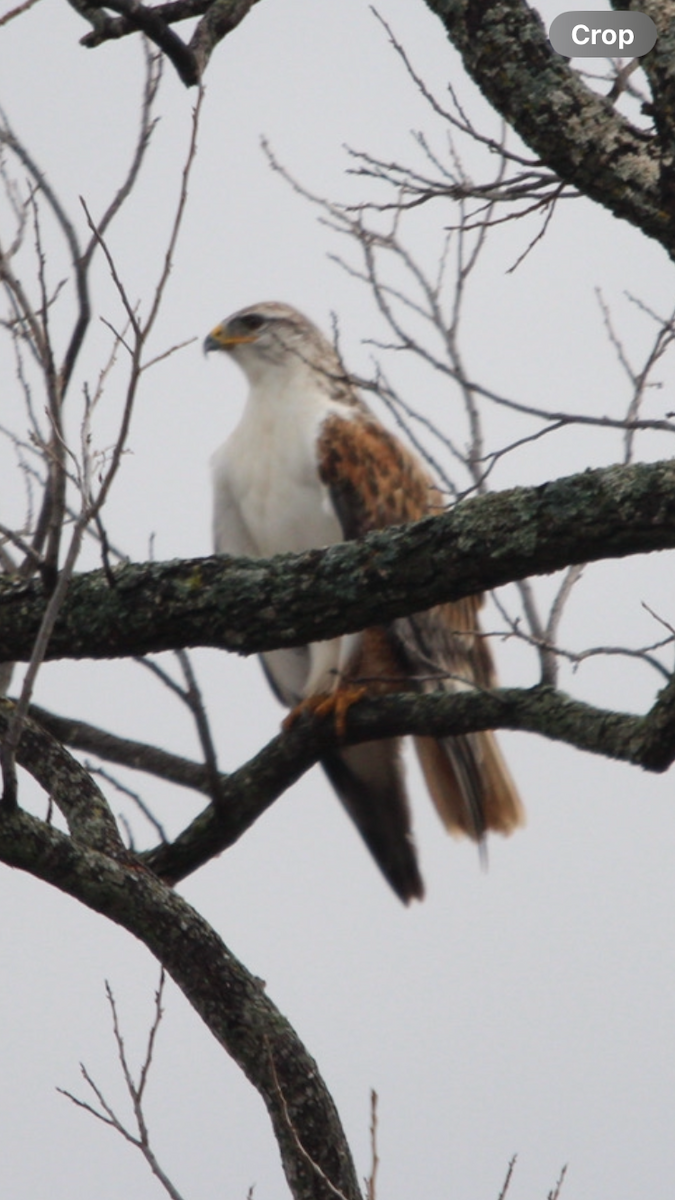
[252, 321]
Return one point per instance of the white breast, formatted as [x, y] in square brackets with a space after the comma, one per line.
[268, 499]
[267, 472]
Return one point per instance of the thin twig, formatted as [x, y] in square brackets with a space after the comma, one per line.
[371, 1181]
[105, 1112]
[16, 12]
[509, 1175]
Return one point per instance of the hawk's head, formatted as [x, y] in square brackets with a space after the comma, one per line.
[269, 338]
[270, 333]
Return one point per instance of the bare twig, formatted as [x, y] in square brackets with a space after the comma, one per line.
[509, 1176]
[105, 1112]
[16, 12]
[50, 524]
[153, 78]
[195, 702]
[11, 740]
[371, 1181]
[554, 1195]
[570, 579]
[133, 796]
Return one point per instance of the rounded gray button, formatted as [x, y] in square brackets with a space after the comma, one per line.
[625, 34]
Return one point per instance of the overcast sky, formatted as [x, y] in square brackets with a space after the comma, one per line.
[527, 1009]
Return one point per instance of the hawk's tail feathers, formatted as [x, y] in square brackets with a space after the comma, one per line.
[369, 781]
[470, 784]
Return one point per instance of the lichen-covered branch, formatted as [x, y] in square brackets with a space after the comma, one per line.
[248, 605]
[245, 794]
[659, 67]
[67, 783]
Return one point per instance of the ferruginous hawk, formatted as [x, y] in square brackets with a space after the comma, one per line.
[309, 465]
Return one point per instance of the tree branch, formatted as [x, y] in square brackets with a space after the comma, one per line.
[67, 783]
[219, 17]
[126, 752]
[247, 793]
[244, 795]
[249, 605]
[659, 67]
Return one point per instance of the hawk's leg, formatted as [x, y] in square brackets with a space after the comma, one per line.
[326, 704]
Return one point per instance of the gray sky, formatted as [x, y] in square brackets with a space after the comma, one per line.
[524, 1010]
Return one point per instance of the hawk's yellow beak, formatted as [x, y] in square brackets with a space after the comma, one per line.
[220, 338]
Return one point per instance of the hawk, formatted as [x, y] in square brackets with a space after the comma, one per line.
[310, 465]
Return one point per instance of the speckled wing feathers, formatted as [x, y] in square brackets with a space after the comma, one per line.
[374, 481]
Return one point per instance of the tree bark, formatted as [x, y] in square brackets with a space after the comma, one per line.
[248, 605]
